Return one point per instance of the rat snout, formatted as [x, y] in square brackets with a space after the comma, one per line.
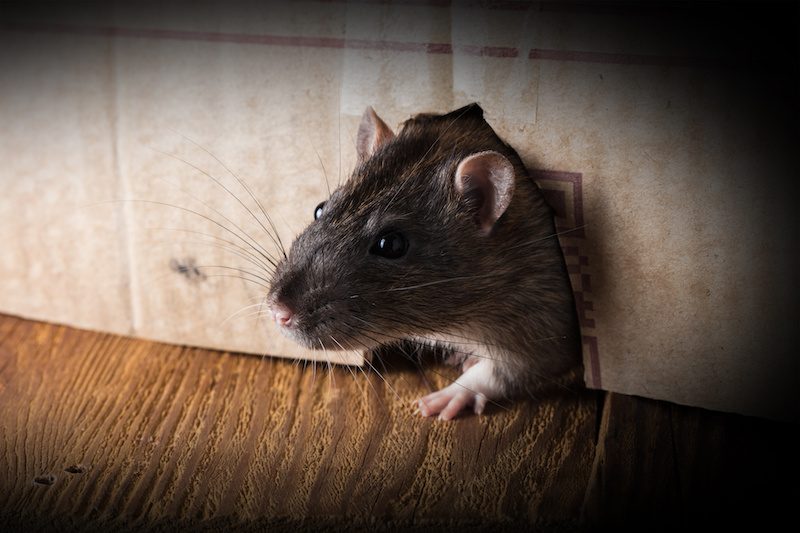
[281, 314]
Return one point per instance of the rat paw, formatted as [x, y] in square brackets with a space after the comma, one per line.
[474, 388]
[450, 401]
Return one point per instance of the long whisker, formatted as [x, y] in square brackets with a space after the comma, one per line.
[349, 368]
[260, 251]
[274, 235]
[319, 158]
[253, 242]
[243, 309]
[457, 278]
[232, 247]
[438, 373]
[556, 234]
[436, 282]
[374, 369]
[259, 280]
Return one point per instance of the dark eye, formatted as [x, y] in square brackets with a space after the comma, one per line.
[318, 210]
[391, 245]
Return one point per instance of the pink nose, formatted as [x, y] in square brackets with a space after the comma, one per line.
[281, 314]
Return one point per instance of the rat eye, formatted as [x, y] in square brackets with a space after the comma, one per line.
[391, 245]
[318, 210]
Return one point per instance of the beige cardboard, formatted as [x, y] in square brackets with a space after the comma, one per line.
[673, 173]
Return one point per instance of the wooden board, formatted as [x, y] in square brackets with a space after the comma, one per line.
[670, 467]
[105, 432]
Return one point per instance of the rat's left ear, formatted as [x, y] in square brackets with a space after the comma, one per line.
[372, 132]
[486, 179]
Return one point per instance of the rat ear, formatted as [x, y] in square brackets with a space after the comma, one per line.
[487, 180]
[372, 132]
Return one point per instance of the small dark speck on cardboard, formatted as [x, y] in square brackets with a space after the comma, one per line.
[187, 268]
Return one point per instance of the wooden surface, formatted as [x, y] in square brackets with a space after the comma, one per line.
[99, 432]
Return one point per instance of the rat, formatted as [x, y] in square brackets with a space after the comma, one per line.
[440, 237]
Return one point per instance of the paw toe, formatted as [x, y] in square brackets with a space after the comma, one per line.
[448, 402]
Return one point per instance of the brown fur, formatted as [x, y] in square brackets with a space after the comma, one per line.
[507, 290]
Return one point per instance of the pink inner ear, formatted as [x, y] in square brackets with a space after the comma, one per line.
[372, 132]
[488, 176]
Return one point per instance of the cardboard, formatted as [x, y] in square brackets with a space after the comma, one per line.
[672, 163]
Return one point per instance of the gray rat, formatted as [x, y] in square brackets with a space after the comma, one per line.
[439, 236]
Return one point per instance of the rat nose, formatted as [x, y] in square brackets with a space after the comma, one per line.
[281, 314]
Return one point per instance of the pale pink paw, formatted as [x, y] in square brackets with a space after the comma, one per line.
[450, 401]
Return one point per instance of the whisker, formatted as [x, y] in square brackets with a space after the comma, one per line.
[374, 369]
[261, 252]
[243, 278]
[235, 249]
[252, 243]
[274, 235]
[436, 282]
[391, 387]
[330, 364]
[319, 158]
[355, 379]
[264, 281]
[556, 234]
[245, 308]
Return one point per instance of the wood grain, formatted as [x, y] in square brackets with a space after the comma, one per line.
[108, 430]
[101, 432]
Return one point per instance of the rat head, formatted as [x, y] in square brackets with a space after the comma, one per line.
[396, 251]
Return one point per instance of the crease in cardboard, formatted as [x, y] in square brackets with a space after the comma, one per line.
[126, 199]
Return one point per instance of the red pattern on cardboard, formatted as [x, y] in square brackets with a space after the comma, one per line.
[570, 225]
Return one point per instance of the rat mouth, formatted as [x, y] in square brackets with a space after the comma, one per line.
[331, 341]
[321, 319]
[331, 334]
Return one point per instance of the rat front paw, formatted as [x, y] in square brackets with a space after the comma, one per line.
[450, 401]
